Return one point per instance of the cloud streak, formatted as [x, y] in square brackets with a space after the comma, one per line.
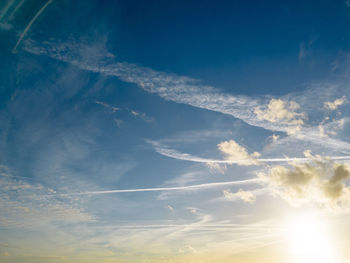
[24, 203]
[18, 6]
[172, 153]
[175, 188]
[6, 8]
[179, 89]
[14, 50]
[168, 86]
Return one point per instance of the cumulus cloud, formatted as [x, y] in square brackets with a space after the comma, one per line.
[280, 111]
[274, 138]
[245, 196]
[320, 181]
[333, 105]
[237, 153]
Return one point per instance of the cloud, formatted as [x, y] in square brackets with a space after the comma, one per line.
[320, 181]
[134, 113]
[217, 167]
[305, 49]
[246, 196]
[6, 8]
[347, 3]
[283, 112]
[335, 104]
[238, 154]
[160, 189]
[25, 203]
[273, 114]
[274, 138]
[42, 9]
[141, 115]
[18, 6]
[107, 106]
[172, 153]
[335, 187]
[168, 86]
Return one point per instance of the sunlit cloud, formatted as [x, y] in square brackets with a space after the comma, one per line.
[319, 181]
[333, 105]
[246, 196]
[181, 189]
[236, 153]
[283, 112]
[172, 153]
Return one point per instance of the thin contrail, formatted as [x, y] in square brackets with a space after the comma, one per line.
[221, 227]
[187, 157]
[159, 189]
[16, 9]
[30, 24]
[4, 11]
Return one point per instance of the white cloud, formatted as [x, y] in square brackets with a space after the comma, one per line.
[274, 138]
[237, 154]
[275, 115]
[320, 181]
[106, 105]
[161, 189]
[113, 109]
[172, 153]
[216, 167]
[246, 196]
[333, 105]
[283, 112]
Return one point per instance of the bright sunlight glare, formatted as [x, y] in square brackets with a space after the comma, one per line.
[310, 240]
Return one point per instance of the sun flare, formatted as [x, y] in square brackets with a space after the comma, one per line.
[310, 240]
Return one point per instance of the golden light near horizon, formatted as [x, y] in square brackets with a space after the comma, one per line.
[310, 240]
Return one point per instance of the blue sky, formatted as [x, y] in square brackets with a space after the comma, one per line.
[172, 131]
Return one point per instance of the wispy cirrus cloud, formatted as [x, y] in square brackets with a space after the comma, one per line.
[172, 153]
[113, 109]
[259, 111]
[26, 203]
[168, 86]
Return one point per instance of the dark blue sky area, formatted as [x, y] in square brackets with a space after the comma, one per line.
[235, 44]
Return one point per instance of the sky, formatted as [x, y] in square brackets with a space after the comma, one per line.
[174, 131]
